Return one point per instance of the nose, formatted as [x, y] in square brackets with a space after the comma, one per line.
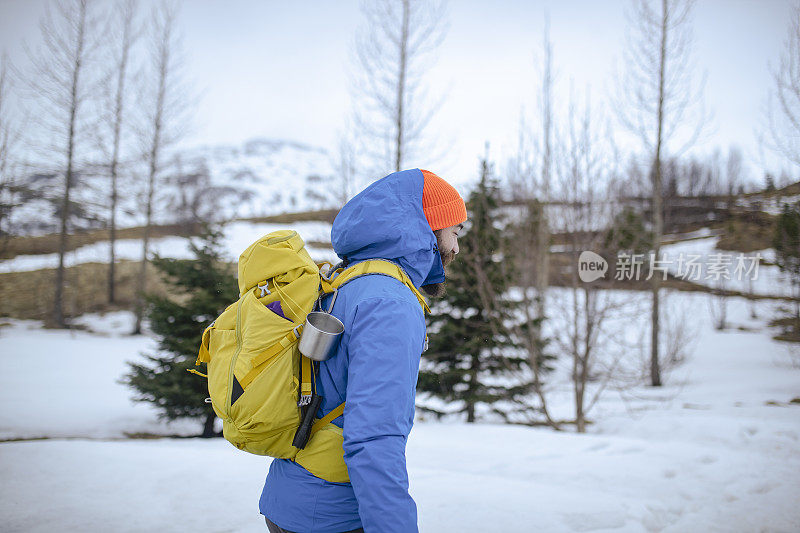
[455, 248]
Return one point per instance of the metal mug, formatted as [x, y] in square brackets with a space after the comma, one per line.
[321, 330]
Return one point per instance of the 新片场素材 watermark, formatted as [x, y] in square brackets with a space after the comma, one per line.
[688, 266]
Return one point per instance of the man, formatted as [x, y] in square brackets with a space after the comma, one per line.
[411, 218]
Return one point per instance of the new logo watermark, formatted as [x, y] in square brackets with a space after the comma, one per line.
[591, 266]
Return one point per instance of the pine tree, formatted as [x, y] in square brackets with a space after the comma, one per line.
[627, 233]
[199, 290]
[787, 254]
[472, 357]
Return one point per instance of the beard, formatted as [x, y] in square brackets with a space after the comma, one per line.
[438, 290]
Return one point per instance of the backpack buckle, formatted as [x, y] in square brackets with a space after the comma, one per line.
[264, 289]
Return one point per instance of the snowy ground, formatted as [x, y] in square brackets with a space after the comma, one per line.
[716, 449]
[724, 269]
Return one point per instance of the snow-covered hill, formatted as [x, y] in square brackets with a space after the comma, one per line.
[277, 176]
[257, 178]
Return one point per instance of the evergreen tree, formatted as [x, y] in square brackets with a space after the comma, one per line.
[787, 252]
[787, 239]
[199, 289]
[769, 183]
[472, 357]
[627, 233]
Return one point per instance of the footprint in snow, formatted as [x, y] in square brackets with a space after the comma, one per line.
[594, 521]
[633, 449]
[791, 434]
[761, 488]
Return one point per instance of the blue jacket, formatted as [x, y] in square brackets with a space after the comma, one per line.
[374, 369]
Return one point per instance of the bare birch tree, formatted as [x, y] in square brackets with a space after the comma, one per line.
[59, 81]
[9, 141]
[165, 103]
[734, 179]
[656, 96]
[589, 323]
[122, 35]
[531, 176]
[393, 52]
[346, 165]
[782, 121]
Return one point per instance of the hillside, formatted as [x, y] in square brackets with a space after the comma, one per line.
[258, 178]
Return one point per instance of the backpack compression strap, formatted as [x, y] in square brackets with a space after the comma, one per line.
[335, 413]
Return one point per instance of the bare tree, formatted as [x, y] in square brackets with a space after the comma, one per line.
[655, 98]
[9, 139]
[165, 104]
[531, 175]
[393, 51]
[60, 82]
[718, 305]
[346, 166]
[589, 323]
[782, 122]
[192, 197]
[122, 36]
[733, 175]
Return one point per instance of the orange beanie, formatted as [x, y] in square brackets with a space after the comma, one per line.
[442, 204]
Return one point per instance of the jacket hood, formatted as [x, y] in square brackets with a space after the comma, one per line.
[386, 221]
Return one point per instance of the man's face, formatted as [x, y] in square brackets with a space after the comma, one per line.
[447, 242]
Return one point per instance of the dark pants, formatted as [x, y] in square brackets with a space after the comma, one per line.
[275, 529]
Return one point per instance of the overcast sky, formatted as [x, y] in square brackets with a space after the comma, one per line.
[280, 69]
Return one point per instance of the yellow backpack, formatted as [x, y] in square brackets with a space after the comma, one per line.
[257, 378]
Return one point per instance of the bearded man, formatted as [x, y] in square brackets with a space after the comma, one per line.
[411, 218]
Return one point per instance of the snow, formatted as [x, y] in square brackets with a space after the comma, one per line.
[238, 236]
[63, 384]
[130, 486]
[766, 280]
[705, 452]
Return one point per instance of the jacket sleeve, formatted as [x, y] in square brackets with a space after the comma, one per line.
[384, 351]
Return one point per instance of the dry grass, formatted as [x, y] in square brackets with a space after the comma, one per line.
[29, 295]
[788, 329]
[320, 244]
[747, 232]
[48, 244]
[322, 215]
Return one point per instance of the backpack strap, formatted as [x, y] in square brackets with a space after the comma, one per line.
[373, 266]
[370, 266]
[203, 356]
